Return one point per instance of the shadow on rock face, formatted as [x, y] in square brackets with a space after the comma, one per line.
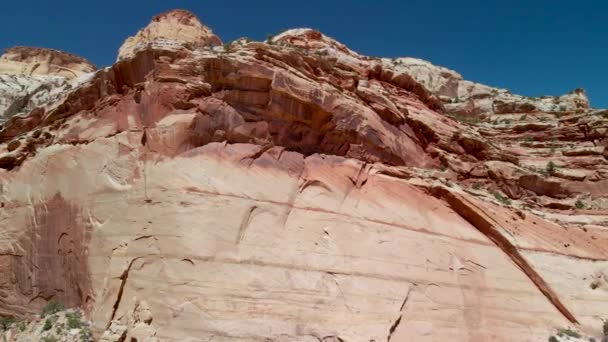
[54, 263]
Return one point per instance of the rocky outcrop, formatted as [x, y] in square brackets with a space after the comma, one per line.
[294, 190]
[33, 77]
[170, 30]
[30, 61]
[462, 97]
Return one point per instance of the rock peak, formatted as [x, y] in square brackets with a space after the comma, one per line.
[171, 29]
[185, 17]
[27, 60]
[311, 39]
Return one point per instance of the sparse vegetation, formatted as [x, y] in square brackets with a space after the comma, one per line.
[543, 119]
[5, 322]
[52, 307]
[605, 327]
[477, 186]
[529, 138]
[550, 168]
[269, 39]
[86, 334]
[49, 338]
[74, 320]
[581, 205]
[22, 326]
[228, 47]
[523, 117]
[48, 324]
[470, 119]
[568, 332]
[553, 339]
[501, 198]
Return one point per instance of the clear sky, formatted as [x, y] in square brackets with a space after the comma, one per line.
[532, 47]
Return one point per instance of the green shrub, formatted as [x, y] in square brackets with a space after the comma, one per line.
[529, 138]
[48, 324]
[605, 328]
[501, 198]
[523, 117]
[269, 39]
[85, 334]
[50, 338]
[5, 322]
[553, 339]
[580, 205]
[477, 185]
[551, 167]
[21, 325]
[52, 307]
[74, 320]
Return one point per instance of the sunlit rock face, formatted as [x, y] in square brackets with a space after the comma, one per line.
[172, 29]
[32, 77]
[295, 190]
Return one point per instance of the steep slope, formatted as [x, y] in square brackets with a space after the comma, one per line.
[294, 190]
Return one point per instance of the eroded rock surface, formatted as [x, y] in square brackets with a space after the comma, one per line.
[295, 190]
[34, 77]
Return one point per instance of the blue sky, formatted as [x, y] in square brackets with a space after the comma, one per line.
[533, 47]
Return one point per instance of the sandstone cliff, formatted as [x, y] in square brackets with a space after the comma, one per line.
[33, 77]
[295, 190]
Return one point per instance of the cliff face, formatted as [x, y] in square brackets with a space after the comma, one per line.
[294, 190]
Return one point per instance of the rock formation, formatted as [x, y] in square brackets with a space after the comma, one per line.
[295, 190]
[473, 99]
[32, 77]
[171, 29]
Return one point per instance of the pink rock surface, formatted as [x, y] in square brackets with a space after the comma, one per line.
[295, 190]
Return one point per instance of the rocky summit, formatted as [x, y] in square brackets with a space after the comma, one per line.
[293, 190]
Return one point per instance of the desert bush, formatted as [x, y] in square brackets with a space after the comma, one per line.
[501, 198]
[52, 307]
[48, 324]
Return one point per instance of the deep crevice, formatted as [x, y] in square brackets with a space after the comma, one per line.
[487, 226]
[123, 277]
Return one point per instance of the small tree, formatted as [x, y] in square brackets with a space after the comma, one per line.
[269, 39]
[48, 324]
[550, 168]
